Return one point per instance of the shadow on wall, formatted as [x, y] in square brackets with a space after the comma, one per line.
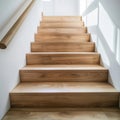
[103, 23]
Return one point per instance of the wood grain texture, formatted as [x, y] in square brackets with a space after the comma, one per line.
[61, 30]
[63, 87]
[73, 109]
[58, 40]
[64, 100]
[61, 18]
[63, 95]
[81, 38]
[63, 70]
[11, 33]
[64, 73]
[62, 47]
[61, 24]
[62, 58]
[63, 114]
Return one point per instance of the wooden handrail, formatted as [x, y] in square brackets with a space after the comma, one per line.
[10, 34]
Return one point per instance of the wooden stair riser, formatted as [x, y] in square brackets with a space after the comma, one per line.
[49, 59]
[63, 75]
[63, 47]
[80, 38]
[64, 100]
[61, 41]
[61, 18]
[61, 25]
[61, 30]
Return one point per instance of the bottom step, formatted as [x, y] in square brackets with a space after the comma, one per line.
[64, 94]
[63, 114]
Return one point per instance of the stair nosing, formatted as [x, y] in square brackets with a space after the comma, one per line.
[70, 53]
[60, 88]
[64, 67]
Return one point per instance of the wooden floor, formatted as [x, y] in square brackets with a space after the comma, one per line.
[63, 114]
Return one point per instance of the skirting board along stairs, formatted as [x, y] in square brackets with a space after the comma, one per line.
[63, 69]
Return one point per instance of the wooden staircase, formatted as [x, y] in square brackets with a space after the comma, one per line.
[63, 69]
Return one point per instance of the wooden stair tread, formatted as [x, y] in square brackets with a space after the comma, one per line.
[81, 34]
[80, 37]
[61, 24]
[52, 38]
[65, 53]
[64, 73]
[63, 114]
[63, 87]
[61, 18]
[62, 30]
[64, 67]
[59, 30]
[64, 21]
[62, 43]
[67, 16]
[61, 40]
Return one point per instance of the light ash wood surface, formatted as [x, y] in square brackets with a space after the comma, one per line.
[58, 40]
[63, 114]
[38, 58]
[62, 30]
[61, 18]
[11, 33]
[64, 70]
[62, 47]
[56, 100]
[68, 94]
[82, 37]
[61, 24]
[63, 87]
[61, 73]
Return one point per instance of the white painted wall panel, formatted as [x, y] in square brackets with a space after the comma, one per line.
[61, 7]
[103, 20]
[13, 58]
[66, 7]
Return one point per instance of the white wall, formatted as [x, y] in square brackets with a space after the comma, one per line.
[13, 58]
[48, 7]
[102, 18]
[61, 7]
[66, 7]
[8, 10]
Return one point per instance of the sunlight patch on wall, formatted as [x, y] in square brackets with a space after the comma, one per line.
[82, 6]
[104, 55]
[118, 46]
[94, 39]
[106, 26]
[89, 2]
[92, 18]
[46, 0]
